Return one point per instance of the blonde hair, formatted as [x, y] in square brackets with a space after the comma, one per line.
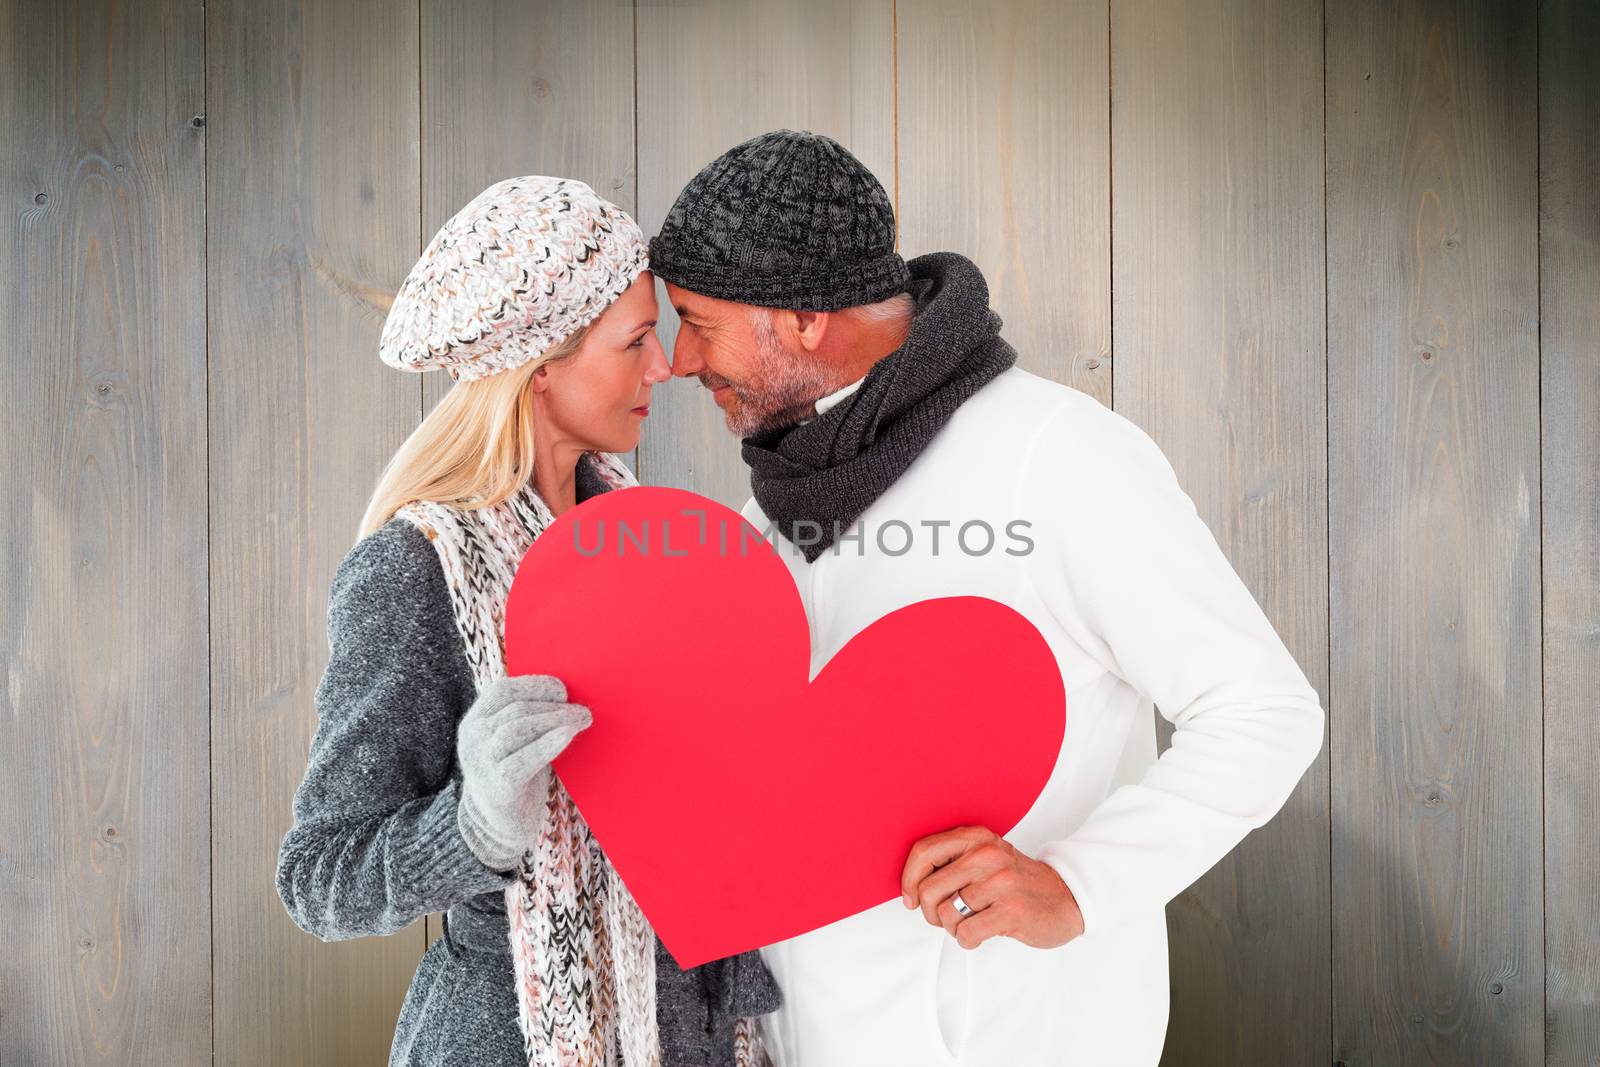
[474, 449]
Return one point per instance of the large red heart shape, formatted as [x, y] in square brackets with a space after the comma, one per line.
[741, 803]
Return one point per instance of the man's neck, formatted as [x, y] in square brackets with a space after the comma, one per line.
[869, 345]
[864, 348]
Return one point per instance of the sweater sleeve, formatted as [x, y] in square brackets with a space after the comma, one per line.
[1125, 564]
[374, 844]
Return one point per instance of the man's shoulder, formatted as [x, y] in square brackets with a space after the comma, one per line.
[1063, 436]
[1026, 408]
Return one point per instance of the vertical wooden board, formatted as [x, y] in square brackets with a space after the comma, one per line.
[1569, 250]
[1217, 254]
[1004, 157]
[104, 861]
[313, 212]
[513, 88]
[509, 88]
[713, 73]
[1434, 509]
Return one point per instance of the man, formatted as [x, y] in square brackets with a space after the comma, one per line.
[897, 454]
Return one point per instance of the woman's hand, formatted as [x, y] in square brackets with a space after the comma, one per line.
[505, 743]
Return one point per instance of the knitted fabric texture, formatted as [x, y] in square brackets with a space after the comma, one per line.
[789, 219]
[814, 479]
[528, 262]
[583, 953]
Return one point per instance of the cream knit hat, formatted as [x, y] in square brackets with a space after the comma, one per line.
[524, 265]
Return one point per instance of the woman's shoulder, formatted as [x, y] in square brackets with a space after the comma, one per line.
[392, 579]
[398, 553]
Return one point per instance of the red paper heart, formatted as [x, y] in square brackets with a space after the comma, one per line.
[742, 804]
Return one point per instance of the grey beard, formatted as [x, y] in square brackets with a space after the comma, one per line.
[790, 386]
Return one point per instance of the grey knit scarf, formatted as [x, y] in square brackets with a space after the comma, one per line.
[814, 479]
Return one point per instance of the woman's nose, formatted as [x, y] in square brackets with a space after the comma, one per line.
[658, 371]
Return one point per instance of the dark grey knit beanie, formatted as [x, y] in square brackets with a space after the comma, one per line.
[789, 219]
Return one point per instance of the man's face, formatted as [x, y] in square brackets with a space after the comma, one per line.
[757, 380]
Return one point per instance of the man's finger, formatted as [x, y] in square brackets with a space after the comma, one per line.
[935, 851]
[976, 895]
[993, 921]
[972, 866]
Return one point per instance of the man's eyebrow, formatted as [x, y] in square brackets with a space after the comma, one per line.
[682, 311]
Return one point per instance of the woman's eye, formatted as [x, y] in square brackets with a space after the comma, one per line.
[638, 343]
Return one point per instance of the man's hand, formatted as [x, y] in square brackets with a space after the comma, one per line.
[1010, 894]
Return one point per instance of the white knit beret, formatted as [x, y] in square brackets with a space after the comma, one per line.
[522, 267]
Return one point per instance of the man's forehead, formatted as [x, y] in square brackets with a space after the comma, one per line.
[685, 301]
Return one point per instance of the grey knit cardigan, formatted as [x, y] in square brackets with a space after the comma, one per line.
[374, 845]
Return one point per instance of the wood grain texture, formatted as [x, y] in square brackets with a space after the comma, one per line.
[1569, 322]
[1004, 157]
[1434, 500]
[313, 222]
[514, 88]
[104, 851]
[509, 88]
[1217, 314]
[713, 73]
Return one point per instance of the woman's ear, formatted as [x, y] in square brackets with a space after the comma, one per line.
[539, 380]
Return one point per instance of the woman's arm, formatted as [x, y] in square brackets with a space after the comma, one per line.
[375, 842]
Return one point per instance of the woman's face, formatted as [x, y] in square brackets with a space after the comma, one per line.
[599, 398]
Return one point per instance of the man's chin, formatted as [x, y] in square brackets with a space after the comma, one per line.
[738, 419]
[746, 429]
[740, 428]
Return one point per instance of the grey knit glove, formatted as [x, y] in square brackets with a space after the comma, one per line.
[504, 744]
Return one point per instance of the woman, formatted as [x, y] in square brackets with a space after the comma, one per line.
[428, 786]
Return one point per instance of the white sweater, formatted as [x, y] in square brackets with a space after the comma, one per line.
[1139, 605]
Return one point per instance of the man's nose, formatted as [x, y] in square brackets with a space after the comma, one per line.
[685, 363]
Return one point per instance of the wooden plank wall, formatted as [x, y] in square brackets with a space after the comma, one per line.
[1003, 110]
[105, 855]
[1217, 271]
[711, 75]
[510, 89]
[312, 191]
[1569, 342]
[1434, 504]
[1340, 260]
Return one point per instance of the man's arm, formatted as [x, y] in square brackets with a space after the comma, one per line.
[1126, 565]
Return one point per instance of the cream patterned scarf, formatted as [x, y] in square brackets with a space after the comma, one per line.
[584, 954]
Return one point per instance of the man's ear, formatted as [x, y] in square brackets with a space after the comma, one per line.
[810, 327]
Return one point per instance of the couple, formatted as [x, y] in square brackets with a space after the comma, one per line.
[879, 408]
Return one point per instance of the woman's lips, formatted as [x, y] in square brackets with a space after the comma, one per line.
[643, 409]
